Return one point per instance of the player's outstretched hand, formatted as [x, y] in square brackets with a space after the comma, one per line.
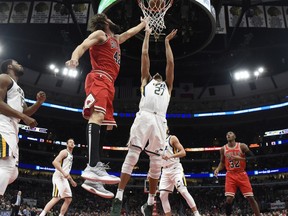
[41, 97]
[145, 20]
[171, 35]
[72, 64]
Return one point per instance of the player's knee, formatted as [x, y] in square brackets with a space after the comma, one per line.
[154, 172]
[155, 167]
[164, 196]
[68, 200]
[130, 160]
[182, 189]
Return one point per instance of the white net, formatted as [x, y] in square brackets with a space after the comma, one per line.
[155, 10]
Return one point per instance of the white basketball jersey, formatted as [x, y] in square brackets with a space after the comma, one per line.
[9, 125]
[15, 99]
[66, 164]
[155, 97]
[170, 150]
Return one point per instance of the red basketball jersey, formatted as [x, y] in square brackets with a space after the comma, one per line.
[234, 165]
[106, 57]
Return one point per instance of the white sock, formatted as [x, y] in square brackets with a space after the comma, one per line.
[196, 213]
[119, 194]
[61, 214]
[151, 199]
[43, 213]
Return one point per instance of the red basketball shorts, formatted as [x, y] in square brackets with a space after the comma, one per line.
[100, 93]
[236, 180]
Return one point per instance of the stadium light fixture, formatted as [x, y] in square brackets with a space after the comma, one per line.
[52, 66]
[242, 75]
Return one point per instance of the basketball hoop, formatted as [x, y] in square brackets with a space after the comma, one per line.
[156, 15]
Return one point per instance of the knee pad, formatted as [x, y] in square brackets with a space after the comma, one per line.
[165, 202]
[187, 196]
[155, 167]
[131, 160]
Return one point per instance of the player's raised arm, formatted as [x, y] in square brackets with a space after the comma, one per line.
[132, 31]
[94, 38]
[145, 60]
[169, 60]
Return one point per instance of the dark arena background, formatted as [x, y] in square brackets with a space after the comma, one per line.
[231, 72]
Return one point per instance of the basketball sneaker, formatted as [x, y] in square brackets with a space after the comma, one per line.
[146, 209]
[99, 173]
[97, 188]
[116, 207]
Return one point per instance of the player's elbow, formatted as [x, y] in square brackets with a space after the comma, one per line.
[145, 51]
[184, 153]
[54, 163]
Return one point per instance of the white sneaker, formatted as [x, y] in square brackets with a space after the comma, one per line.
[98, 173]
[97, 188]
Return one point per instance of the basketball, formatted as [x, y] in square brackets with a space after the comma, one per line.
[156, 4]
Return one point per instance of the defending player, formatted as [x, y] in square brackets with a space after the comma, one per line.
[173, 175]
[233, 158]
[61, 188]
[149, 125]
[13, 108]
[105, 56]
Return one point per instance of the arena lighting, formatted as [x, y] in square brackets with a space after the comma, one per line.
[171, 115]
[104, 4]
[144, 175]
[261, 70]
[65, 71]
[52, 66]
[276, 132]
[241, 75]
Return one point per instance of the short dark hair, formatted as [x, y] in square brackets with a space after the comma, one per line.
[5, 64]
[97, 22]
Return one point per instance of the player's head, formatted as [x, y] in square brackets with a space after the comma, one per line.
[158, 77]
[102, 22]
[11, 66]
[230, 136]
[70, 143]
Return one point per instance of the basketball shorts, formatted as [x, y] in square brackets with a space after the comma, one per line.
[61, 187]
[100, 93]
[9, 145]
[172, 177]
[8, 172]
[239, 180]
[150, 127]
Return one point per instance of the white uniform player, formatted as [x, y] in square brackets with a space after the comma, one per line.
[172, 170]
[149, 125]
[61, 187]
[9, 138]
[173, 175]
[12, 109]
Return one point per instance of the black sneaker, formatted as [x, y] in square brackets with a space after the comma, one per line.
[116, 207]
[146, 209]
